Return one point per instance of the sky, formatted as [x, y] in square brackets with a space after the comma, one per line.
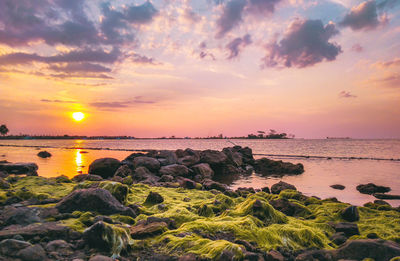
[313, 68]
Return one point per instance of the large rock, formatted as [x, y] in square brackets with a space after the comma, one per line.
[350, 214]
[175, 170]
[10, 247]
[278, 187]
[247, 154]
[93, 199]
[32, 253]
[20, 216]
[151, 164]
[89, 177]
[154, 198]
[287, 207]
[145, 230]
[376, 249]
[60, 246]
[188, 157]
[166, 157]
[29, 169]
[204, 170]
[123, 171]
[371, 188]
[349, 229]
[143, 175]
[209, 184]
[104, 167]
[234, 157]
[213, 157]
[51, 230]
[266, 166]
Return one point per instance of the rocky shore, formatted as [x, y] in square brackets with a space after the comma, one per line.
[169, 205]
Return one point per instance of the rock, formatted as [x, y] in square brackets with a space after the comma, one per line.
[338, 238]
[151, 164]
[123, 171]
[146, 230]
[127, 180]
[168, 157]
[30, 169]
[266, 166]
[118, 190]
[188, 257]
[10, 247]
[188, 157]
[367, 248]
[204, 170]
[286, 207]
[44, 154]
[60, 246]
[51, 230]
[349, 229]
[209, 184]
[143, 175]
[278, 187]
[226, 255]
[175, 170]
[104, 167]
[386, 196]
[350, 214]
[371, 188]
[3, 174]
[247, 154]
[154, 198]
[4, 184]
[315, 254]
[213, 157]
[381, 202]
[187, 183]
[338, 186]
[372, 235]
[20, 216]
[32, 253]
[266, 190]
[101, 258]
[89, 177]
[234, 157]
[166, 178]
[93, 199]
[274, 255]
[107, 237]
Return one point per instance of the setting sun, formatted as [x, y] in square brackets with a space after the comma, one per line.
[78, 116]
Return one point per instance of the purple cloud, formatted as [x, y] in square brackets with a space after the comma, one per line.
[236, 45]
[357, 48]
[346, 94]
[363, 17]
[231, 16]
[120, 104]
[305, 43]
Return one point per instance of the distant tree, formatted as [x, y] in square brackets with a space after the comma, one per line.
[3, 130]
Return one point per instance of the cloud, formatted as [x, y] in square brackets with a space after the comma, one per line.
[142, 59]
[236, 45]
[394, 62]
[204, 53]
[79, 67]
[357, 48]
[56, 101]
[305, 43]
[231, 16]
[262, 7]
[120, 104]
[346, 94]
[364, 16]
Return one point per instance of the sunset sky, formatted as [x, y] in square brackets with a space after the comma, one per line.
[314, 68]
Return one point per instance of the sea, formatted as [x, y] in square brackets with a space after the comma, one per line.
[348, 162]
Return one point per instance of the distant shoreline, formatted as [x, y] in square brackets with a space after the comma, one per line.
[27, 137]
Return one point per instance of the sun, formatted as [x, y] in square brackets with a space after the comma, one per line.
[78, 116]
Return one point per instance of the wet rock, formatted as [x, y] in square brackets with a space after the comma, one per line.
[234, 157]
[247, 154]
[101, 258]
[315, 254]
[166, 157]
[30, 169]
[104, 167]
[349, 229]
[10, 247]
[44, 154]
[166, 178]
[175, 170]
[151, 164]
[32, 253]
[187, 183]
[60, 246]
[188, 157]
[93, 199]
[338, 186]
[286, 207]
[213, 157]
[143, 175]
[146, 230]
[386, 196]
[123, 171]
[154, 198]
[371, 188]
[51, 230]
[89, 177]
[350, 214]
[278, 187]
[4, 184]
[266, 166]
[209, 184]
[274, 255]
[20, 216]
[367, 248]
[338, 238]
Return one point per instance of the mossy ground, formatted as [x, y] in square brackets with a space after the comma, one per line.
[208, 222]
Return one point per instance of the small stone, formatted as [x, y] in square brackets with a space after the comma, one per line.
[44, 154]
[350, 214]
[338, 186]
[154, 198]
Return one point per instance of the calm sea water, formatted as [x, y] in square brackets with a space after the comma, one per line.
[319, 174]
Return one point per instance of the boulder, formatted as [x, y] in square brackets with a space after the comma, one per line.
[145, 230]
[287, 207]
[44, 154]
[51, 230]
[350, 214]
[213, 157]
[338, 238]
[10, 247]
[60, 246]
[367, 248]
[123, 171]
[209, 184]
[30, 169]
[175, 170]
[274, 255]
[166, 157]
[151, 164]
[143, 175]
[315, 254]
[20, 216]
[93, 199]
[371, 188]
[247, 154]
[234, 157]
[349, 229]
[104, 167]
[278, 187]
[266, 166]
[204, 170]
[188, 157]
[154, 198]
[187, 183]
[338, 186]
[84, 177]
[166, 178]
[32, 253]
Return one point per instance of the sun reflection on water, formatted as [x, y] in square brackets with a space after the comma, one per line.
[79, 161]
